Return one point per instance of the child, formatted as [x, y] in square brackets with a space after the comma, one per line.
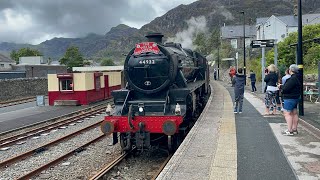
[238, 83]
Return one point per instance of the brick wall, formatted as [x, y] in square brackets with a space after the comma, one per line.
[24, 87]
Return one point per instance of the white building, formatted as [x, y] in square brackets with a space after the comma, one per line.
[6, 63]
[32, 60]
[279, 27]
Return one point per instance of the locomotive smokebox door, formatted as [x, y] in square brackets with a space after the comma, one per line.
[142, 140]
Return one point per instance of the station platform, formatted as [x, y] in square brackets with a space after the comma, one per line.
[224, 145]
[16, 116]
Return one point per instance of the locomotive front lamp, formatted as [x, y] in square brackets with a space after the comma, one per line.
[141, 109]
[109, 110]
[177, 109]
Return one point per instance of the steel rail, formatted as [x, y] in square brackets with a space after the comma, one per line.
[43, 147]
[53, 162]
[17, 100]
[56, 118]
[13, 139]
[161, 167]
[108, 167]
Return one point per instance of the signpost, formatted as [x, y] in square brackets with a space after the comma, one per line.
[262, 44]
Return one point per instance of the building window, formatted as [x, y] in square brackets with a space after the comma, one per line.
[248, 42]
[234, 43]
[66, 85]
[97, 83]
[1, 65]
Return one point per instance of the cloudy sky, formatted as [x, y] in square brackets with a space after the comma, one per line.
[33, 21]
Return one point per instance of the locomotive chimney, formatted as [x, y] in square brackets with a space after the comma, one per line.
[155, 37]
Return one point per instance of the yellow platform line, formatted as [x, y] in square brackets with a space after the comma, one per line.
[224, 163]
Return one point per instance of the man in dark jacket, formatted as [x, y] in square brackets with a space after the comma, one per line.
[291, 95]
[238, 82]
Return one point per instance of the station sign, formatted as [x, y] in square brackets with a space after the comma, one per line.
[262, 43]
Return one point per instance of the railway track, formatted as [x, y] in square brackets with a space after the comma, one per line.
[102, 174]
[59, 159]
[58, 118]
[16, 101]
[5, 142]
[45, 146]
[109, 166]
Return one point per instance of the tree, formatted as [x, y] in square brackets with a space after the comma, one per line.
[287, 54]
[107, 62]
[15, 55]
[72, 58]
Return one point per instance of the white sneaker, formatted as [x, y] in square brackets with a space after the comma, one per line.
[287, 133]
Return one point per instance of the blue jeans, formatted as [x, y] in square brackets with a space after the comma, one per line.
[290, 104]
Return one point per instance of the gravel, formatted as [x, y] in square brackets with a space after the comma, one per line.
[86, 163]
[44, 138]
[20, 168]
[139, 167]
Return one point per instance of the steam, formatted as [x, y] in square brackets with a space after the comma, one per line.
[195, 26]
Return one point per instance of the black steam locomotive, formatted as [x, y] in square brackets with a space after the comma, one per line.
[166, 89]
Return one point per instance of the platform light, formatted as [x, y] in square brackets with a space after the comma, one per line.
[177, 109]
[109, 110]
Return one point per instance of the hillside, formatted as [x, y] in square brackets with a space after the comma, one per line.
[122, 38]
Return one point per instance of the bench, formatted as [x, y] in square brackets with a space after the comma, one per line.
[311, 91]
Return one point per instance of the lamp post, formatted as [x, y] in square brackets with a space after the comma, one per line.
[299, 57]
[244, 45]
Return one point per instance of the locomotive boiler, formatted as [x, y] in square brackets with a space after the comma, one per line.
[166, 89]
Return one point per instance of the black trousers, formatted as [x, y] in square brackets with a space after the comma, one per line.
[253, 86]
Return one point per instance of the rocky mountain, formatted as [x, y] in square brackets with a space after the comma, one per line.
[119, 40]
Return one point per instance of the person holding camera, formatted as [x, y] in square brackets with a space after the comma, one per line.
[271, 79]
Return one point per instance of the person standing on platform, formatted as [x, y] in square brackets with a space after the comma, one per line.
[291, 95]
[215, 74]
[232, 73]
[283, 81]
[253, 81]
[238, 82]
[284, 78]
[271, 80]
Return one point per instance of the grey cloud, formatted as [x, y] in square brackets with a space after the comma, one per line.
[73, 18]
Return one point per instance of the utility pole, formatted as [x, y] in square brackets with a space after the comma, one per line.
[218, 61]
[275, 53]
[244, 46]
[300, 57]
[263, 60]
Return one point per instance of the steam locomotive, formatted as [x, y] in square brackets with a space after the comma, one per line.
[166, 89]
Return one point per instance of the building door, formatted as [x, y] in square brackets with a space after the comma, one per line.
[106, 86]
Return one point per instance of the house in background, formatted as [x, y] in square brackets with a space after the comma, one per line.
[6, 63]
[279, 27]
[234, 35]
[32, 60]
